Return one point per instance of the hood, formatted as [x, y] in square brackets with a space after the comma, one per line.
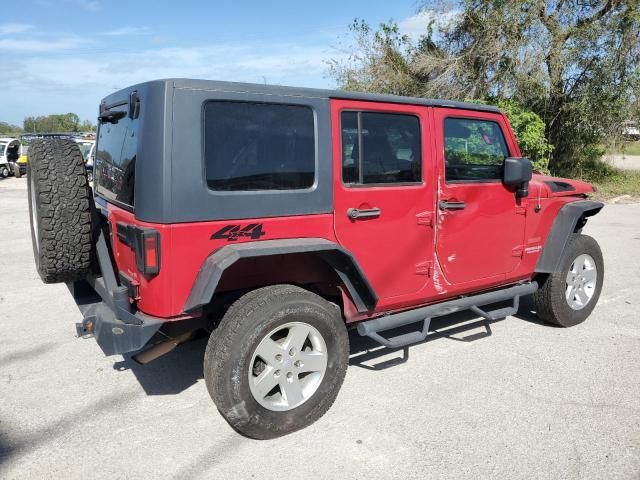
[558, 187]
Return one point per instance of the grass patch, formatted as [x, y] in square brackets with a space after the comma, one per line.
[624, 148]
[622, 182]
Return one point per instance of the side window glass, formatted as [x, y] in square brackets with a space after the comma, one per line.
[474, 150]
[259, 146]
[380, 148]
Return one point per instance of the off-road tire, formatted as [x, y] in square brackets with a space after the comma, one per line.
[550, 301]
[230, 348]
[59, 210]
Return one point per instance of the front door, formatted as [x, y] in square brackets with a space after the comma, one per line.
[480, 223]
[384, 201]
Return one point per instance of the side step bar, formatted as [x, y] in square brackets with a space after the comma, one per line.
[372, 328]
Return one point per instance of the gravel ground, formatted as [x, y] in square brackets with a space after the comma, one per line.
[516, 399]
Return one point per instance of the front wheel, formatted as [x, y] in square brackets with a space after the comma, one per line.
[277, 360]
[568, 296]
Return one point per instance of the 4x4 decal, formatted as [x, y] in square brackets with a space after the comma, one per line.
[234, 232]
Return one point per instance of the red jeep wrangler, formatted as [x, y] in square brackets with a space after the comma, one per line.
[275, 218]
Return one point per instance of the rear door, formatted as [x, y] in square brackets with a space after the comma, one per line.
[480, 222]
[383, 187]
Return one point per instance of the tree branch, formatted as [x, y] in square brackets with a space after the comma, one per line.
[585, 22]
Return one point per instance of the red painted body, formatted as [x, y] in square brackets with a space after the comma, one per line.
[412, 254]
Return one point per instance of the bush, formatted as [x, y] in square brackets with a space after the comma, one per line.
[528, 128]
[588, 165]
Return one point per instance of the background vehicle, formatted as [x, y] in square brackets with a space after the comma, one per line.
[275, 217]
[9, 155]
[89, 159]
[630, 130]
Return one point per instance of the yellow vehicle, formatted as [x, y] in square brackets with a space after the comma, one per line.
[22, 161]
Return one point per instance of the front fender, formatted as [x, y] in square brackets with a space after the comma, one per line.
[570, 218]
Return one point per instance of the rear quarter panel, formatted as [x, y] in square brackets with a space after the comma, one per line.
[185, 246]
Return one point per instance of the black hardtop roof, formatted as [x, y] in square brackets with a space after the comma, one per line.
[215, 85]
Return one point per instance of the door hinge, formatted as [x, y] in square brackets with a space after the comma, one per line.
[517, 251]
[425, 218]
[521, 210]
[424, 268]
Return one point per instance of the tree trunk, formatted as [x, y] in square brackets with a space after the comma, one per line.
[559, 159]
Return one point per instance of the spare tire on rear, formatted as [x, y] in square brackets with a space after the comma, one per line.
[59, 210]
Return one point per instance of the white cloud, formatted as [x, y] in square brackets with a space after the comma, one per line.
[78, 81]
[88, 5]
[13, 28]
[34, 45]
[128, 31]
[416, 25]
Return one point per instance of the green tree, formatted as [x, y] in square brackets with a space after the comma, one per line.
[573, 62]
[67, 122]
[8, 129]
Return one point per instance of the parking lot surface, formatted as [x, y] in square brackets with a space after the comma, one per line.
[513, 399]
[626, 162]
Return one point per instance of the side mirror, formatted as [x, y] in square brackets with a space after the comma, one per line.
[516, 174]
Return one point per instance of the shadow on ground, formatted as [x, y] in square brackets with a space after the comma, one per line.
[182, 368]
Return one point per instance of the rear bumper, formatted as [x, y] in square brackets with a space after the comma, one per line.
[115, 331]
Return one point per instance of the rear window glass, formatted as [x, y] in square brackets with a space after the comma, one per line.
[115, 161]
[259, 146]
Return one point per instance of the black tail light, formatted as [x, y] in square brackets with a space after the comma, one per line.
[145, 243]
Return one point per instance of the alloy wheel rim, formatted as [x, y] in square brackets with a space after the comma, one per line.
[581, 281]
[288, 366]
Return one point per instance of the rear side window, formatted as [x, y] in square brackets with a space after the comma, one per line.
[259, 146]
[380, 148]
[115, 161]
[474, 150]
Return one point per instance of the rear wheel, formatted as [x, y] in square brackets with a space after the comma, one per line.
[277, 360]
[59, 210]
[567, 297]
[4, 171]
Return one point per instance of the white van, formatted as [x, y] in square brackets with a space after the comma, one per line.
[9, 155]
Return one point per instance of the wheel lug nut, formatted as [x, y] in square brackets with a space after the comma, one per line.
[298, 363]
[276, 373]
[289, 375]
[291, 352]
[279, 357]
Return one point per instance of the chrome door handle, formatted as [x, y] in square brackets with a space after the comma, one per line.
[445, 205]
[355, 214]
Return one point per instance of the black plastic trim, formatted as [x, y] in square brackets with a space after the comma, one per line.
[559, 186]
[570, 218]
[342, 261]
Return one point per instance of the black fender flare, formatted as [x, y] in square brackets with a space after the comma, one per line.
[341, 260]
[570, 219]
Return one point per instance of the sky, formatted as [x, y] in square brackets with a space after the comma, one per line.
[60, 56]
